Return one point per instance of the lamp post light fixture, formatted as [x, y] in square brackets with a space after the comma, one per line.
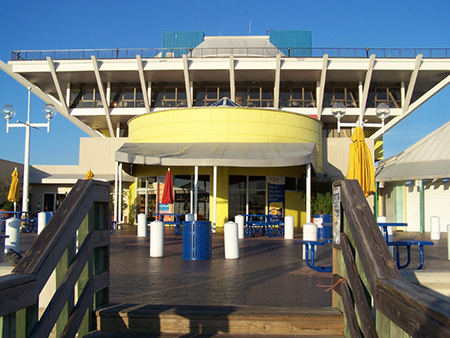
[8, 113]
[382, 111]
[338, 110]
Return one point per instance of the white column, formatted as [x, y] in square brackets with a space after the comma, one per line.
[115, 191]
[195, 192]
[120, 192]
[308, 193]
[214, 199]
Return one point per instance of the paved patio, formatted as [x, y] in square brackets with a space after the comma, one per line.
[269, 272]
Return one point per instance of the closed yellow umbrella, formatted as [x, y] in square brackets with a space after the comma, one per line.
[89, 175]
[12, 195]
[360, 166]
[13, 191]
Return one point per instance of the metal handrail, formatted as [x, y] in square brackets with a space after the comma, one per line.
[130, 53]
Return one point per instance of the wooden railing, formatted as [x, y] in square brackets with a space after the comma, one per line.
[75, 246]
[369, 289]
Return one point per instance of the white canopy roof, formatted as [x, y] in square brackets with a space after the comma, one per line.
[218, 154]
[427, 159]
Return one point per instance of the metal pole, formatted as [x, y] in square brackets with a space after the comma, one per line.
[422, 207]
[214, 199]
[195, 192]
[115, 191]
[308, 193]
[26, 162]
[120, 192]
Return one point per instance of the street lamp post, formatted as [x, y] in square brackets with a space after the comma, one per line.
[8, 113]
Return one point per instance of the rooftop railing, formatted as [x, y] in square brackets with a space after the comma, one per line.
[130, 53]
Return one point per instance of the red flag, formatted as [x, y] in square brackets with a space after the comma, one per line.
[167, 197]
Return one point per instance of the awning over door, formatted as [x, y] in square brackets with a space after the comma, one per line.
[218, 154]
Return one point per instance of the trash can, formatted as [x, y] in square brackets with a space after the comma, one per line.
[323, 226]
[12, 230]
[196, 240]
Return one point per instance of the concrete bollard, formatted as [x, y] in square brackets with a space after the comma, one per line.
[156, 239]
[309, 234]
[142, 225]
[43, 218]
[13, 231]
[390, 230]
[289, 227]
[448, 241]
[231, 240]
[435, 228]
[239, 219]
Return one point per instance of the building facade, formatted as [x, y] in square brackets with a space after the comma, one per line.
[288, 115]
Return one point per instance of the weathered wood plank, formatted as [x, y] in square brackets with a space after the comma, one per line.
[362, 306]
[369, 242]
[18, 296]
[342, 290]
[412, 308]
[84, 301]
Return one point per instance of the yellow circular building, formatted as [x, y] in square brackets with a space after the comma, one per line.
[224, 160]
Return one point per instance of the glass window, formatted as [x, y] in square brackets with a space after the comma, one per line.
[238, 191]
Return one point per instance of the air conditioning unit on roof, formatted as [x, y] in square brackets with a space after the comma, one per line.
[170, 54]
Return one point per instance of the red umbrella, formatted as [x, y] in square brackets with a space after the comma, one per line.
[167, 197]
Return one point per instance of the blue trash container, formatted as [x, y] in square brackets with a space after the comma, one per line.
[324, 231]
[196, 240]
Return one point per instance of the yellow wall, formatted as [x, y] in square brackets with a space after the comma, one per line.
[294, 204]
[226, 125]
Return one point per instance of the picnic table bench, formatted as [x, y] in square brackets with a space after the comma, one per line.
[407, 243]
[310, 249]
[173, 220]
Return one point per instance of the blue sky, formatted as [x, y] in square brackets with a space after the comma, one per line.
[34, 25]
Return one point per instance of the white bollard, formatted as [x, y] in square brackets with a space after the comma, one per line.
[435, 228]
[390, 232]
[13, 231]
[448, 241]
[239, 219]
[142, 225]
[231, 240]
[189, 218]
[43, 218]
[309, 234]
[156, 239]
[289, 227]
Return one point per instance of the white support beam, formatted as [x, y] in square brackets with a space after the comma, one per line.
[321, 86]
[46, 98]
[187, 82]
[413, 106]
[276, 93]
[68, 94]
[232, 80]
[51, 65]
[102, 95]
[143, 84]
[214, 225]
[412, 83]
[367, 81]
[308, 193]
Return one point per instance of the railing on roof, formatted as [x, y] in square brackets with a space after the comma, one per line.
[130, 53]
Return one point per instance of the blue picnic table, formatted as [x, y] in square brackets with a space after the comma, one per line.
[171, 220]
[404, 243]
[262, 224]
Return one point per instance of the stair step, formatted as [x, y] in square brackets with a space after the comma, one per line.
[220, 320]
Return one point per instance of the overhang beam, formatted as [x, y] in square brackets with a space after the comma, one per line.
[143, 84]
[102, 95]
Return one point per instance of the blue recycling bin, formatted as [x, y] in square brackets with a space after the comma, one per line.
[196, 240]
[324, 231]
